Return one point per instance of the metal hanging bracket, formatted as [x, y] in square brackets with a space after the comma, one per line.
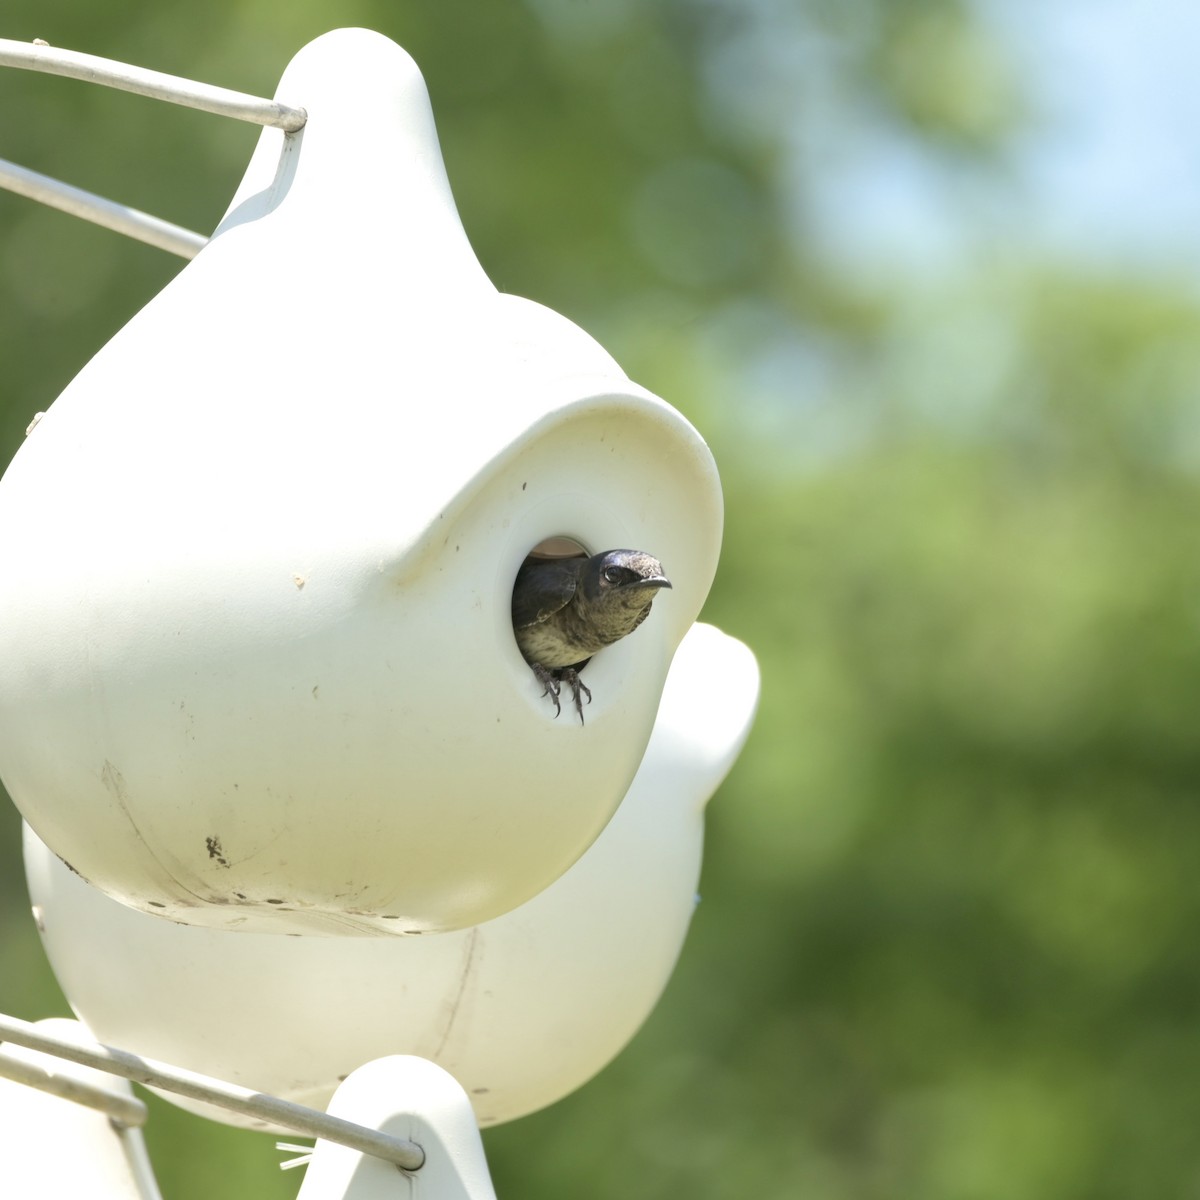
[297, 1117]
[224, 102]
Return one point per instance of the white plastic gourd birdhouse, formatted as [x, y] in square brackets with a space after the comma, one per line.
[520, 1010]
[259, 666]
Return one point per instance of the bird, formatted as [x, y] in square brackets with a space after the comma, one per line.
[564, 610]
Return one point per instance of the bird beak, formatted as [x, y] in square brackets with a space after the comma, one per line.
[655, 581]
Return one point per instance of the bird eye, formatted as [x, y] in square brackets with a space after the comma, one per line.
[613, 574]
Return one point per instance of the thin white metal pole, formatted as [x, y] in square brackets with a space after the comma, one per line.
[309, 1122]
[124, 1110]
[118, 217]
[35, 56]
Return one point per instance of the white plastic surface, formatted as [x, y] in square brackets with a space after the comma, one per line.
[521, 1010]
[409, 1098]
[50, 1147]
[259, 671]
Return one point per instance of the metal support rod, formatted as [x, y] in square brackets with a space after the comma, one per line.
[118, 217]
[126, 1111]
[36, 56]
[308, 1122]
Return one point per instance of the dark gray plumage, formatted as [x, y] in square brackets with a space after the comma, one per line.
[564, 610]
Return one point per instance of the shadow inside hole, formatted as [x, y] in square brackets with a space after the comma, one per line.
[559, 546]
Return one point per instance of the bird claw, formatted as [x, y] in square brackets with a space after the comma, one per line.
[570, 676]
[550, 685]
[553, 681]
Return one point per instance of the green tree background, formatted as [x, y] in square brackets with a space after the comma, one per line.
[948, 944]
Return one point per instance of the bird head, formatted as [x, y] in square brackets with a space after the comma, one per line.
[628, 578]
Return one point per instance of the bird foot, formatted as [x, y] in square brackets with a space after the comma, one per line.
[570, 677]
[552, 682]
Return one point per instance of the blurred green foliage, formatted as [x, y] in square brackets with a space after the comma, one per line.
[946, 948]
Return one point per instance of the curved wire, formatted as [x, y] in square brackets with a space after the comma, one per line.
[38, 56]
